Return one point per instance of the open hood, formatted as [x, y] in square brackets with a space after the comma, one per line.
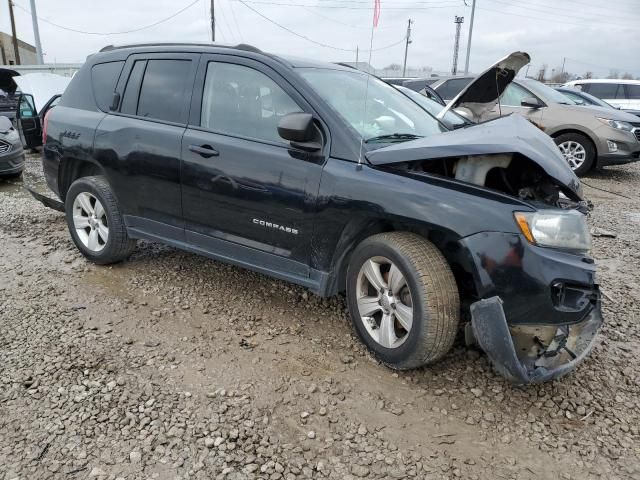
[481, 95]
[42, 86]
[510, 134]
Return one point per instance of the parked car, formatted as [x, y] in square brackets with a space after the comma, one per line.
[11, 152]
[624, 94]
[588, 138]
[421, 85]
[330, 178]
[452, 120]
[8, 96]
[449, 87]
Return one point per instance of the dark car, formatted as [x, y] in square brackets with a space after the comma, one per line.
[330, 178]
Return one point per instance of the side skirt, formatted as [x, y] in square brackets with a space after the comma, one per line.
[229, 252]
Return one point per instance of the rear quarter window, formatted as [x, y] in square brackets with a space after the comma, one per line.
[104, 77]
[603, 90]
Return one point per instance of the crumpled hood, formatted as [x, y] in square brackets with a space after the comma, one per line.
[510, 134]
[482, 93]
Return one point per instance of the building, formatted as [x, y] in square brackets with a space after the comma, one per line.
[7, 56]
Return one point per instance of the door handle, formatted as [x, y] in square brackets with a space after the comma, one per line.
[205, 151]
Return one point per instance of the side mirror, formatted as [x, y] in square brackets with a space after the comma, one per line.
[299, 130]
[532, 102]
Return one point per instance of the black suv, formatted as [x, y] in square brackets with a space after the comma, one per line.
[327, 177]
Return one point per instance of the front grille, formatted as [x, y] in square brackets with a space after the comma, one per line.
[636, 132]
[4, 146]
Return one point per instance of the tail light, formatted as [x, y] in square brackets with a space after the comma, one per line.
[45, 121]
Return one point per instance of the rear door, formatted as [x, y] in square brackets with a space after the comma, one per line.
[245, 189]
[632, 94]
[139, 142]
[612, 93]
[511, 102]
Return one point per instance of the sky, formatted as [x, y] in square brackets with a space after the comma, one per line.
[588, 35]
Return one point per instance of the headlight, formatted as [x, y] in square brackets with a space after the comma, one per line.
[555, 228]
[12, 136]
[626, 126]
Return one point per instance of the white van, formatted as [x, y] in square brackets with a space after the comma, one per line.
[624, 94]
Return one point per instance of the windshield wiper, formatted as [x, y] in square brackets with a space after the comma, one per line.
[393, 136]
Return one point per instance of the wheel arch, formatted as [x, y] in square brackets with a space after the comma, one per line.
[576, 131]
[71, 169]
[444, 239]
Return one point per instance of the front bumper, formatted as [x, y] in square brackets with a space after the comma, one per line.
[12, 162]
[627, 147]
[532, 354]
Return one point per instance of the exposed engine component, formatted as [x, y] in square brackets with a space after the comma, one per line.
[513, 174]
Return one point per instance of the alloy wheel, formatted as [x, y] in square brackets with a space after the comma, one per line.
[384, 302]
[574, 153]
[90, 221]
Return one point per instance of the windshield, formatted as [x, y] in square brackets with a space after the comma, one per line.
[549, 94]
[450, 118]
[388, 117]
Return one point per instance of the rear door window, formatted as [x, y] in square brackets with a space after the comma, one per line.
[162, 94]
[633, 92]
[604, 90]
[104, 77]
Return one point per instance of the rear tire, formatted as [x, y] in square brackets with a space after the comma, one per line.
[95, 221]
[578, 150]
[415, 278]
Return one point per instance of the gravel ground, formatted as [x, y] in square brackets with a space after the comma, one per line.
[172, 366]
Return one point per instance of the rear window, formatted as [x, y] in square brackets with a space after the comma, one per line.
[603, 90]
[104, 77]
[163, 89]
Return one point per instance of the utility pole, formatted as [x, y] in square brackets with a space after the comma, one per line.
[36, 32]
[564, 59]
[466, 63]
[456, 45]
[357, 55]
[406, 48]
[213, 21]
[16, 52]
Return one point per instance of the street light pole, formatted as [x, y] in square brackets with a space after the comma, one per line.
[213, 21]
[406, 47]
[36, 32]
[16, 52]
[466, 63]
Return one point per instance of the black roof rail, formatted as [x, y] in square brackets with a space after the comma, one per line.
[343, 64]
[241, 46]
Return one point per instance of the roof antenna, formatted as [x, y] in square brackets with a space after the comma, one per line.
[374, 24]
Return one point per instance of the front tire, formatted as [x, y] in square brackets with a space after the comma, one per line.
[578, 151]
[403, 299]
[95, 221]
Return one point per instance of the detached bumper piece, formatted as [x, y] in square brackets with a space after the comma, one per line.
[528, 354]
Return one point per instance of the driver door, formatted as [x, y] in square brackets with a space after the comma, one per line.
[28, 122]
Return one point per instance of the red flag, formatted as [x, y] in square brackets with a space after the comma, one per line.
[376, 12]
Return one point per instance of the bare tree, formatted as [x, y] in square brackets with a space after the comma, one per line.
[588, 75]
[560, 77]
[393, 66]
[614, 74]
[627, 76]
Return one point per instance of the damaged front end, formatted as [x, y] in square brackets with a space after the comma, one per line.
[533, 293]
[528, 354]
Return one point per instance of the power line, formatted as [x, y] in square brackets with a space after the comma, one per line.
[111, 33]
[575, 17]
[563, 21]
[243, 2]
[235, 20]
[310, 10]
